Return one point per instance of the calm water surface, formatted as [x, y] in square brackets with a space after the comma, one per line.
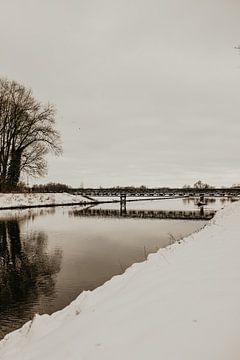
[48, 257]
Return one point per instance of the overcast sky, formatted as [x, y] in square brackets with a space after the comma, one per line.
[146, 91]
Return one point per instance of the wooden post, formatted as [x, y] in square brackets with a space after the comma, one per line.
[123, 204]
[201, 211]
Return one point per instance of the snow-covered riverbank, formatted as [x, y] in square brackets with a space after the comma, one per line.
[180, 304]
[36, 199]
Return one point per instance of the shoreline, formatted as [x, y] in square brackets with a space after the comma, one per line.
[21, 207]
[181, 303]
[14, 201]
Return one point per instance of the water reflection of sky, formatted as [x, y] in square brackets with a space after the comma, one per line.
[165, 204]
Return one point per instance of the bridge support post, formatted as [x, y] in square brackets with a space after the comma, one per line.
[201, 211]
[123, 204]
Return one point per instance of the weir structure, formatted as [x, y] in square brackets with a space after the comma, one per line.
[145, 214]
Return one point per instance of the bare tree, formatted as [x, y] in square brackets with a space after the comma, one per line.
[27, 134]
[201, 185]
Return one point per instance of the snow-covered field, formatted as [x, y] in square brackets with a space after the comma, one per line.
[180, 304]
[32, 199]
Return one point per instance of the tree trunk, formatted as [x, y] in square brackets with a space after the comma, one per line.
[14, 169]
[3, 177]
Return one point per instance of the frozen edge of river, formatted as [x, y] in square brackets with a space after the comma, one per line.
[180, 304]
[28, 200]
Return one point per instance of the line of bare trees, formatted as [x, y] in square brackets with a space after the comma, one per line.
[27, 134]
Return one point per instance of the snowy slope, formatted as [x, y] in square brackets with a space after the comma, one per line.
[32, 199]
[180, 304]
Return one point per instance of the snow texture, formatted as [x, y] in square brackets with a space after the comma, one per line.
[180, 304]
[36, 199]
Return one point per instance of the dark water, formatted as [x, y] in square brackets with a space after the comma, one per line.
[48, 257]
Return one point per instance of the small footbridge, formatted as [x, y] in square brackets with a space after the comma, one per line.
[157, 192]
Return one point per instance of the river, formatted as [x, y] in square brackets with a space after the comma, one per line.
[49, 256]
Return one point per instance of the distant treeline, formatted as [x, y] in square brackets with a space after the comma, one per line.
[59, 187]
[51, 187]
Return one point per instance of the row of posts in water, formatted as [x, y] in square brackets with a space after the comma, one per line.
[185, 214]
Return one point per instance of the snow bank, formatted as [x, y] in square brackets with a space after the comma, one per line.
[32, 199]
[180, 304]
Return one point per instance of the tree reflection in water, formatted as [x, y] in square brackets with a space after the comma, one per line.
[26, 268]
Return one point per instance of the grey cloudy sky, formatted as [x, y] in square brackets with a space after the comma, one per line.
[146, 91]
